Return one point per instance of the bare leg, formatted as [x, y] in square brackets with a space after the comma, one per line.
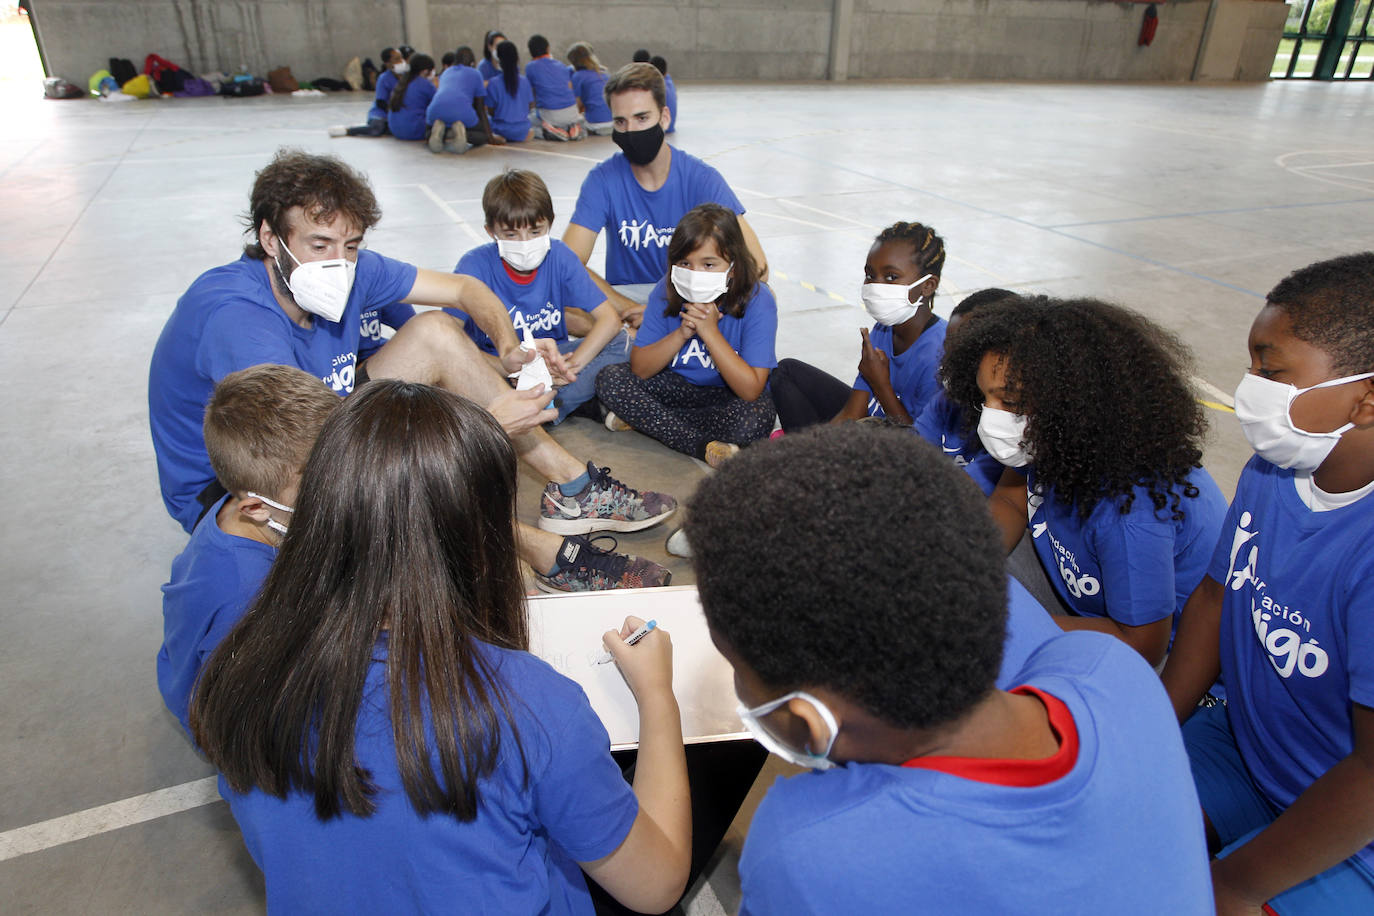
[433, 349]
[537, 548]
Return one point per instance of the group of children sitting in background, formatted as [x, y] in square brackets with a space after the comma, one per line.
[346, 638]
[463, 102]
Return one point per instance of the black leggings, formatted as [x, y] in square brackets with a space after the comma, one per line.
[681, 415]
[806, 396]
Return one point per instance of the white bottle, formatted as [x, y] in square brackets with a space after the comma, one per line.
[534, 372]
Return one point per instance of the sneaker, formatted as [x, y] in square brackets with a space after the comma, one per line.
[436, 136]
[554, 133]
[456, 139]
[605, 504]
[338, 130]
[585, 567]
[576, 132]
[717, 452]
[677, 545]
[615, 424]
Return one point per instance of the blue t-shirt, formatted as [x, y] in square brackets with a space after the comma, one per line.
[561, 282]
[510, 117]
[458, 86]
[670, 93]
[373, 319]
[639, 224]
[1136, 568]
[518, 856]
[1121, 832]
[213, 581]
[385, 83]
[229, 320]
[590, 87]
[552, 82]
[753, 335]
[1297, 630]
[912, 373]
[409, 122]
[942, 424]
[1029, 626]
[487, 68]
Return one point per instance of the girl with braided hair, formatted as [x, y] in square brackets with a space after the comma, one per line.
[897, 357]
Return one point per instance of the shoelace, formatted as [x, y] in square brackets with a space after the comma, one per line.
[604, 479]
[605, 560]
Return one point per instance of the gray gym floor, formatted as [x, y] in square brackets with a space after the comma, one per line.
[1185, 202]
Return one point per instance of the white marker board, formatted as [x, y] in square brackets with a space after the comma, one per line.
[565, 631]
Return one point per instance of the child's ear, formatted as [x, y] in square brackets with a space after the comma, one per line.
[254, 510]
[816, 728]
[490, 232]
[1363, 414]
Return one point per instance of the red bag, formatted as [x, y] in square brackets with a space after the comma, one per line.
[1148, 26]
[167, 76]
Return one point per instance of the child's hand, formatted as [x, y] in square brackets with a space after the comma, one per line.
[704, 316]
[633, 317]
[873, 364]
[648, 664]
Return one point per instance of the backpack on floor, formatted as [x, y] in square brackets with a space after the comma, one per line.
[243, 87]
[353, 74]
[370, 75]
[328, 84]
[55, 87]
[282, 81]
[122, 69]
[194, 86]
[140, 87]
[166, 75]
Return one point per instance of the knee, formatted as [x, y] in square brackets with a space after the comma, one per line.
[612, 377]
[440, 331]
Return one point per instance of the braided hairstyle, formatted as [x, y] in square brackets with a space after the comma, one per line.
[927, 248]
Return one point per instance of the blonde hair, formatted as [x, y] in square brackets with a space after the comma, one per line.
[583, 57]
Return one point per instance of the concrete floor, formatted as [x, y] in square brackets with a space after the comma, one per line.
[1185, 202]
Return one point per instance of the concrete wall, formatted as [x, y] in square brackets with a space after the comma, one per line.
[702, 39]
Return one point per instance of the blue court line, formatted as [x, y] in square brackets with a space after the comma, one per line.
[1143, 219]
[1024, 222]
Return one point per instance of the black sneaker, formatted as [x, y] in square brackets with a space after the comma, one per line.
[585, 567]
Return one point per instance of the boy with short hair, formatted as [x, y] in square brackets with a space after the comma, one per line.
[260, 425]
[669, 89]
[555, 103]
[1285, 769]
[866, 636]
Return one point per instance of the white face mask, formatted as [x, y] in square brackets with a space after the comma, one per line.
[272, 522]
[524, 256]
[320, 287]
[760, 733]
[1262, 407]
[700, 285]
[1002, 433]
[401, 68]
[890, 303]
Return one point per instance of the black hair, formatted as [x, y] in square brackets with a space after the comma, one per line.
[641, 57]
[404, 531]
[979, 299]
[660, 63]
[927, 248]
[464, 57]
[487, 45]
[1331, 306]
[387, 52]
[509, 56]
[538, 45]
[406, 51]
[419, 64]
[1106, 393]
[828, 597]
[449, 59]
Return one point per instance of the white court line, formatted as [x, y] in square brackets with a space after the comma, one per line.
[1334, 165]
[449, 211]
[104, 818]
[1213, 392]
[541, 152]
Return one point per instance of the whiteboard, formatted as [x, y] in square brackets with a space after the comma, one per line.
[565, 631]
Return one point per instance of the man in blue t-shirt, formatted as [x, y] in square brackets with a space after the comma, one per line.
[260, 426]
[933, 789]
[639, 195]
[296, 297]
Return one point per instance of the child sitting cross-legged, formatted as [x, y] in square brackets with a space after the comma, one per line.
[933, 790]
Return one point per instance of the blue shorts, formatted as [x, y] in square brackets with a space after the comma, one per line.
[1238, 810]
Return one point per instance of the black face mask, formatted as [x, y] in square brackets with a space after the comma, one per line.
[640, 146]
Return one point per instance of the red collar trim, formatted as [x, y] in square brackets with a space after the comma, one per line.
[1017, 773]
[522, 279]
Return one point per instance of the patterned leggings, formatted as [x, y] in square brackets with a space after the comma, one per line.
[681, 415]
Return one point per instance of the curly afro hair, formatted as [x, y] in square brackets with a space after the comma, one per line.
[1331, 306]
[858, 559]
[1105, 391]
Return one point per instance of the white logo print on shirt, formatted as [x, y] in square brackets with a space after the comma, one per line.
[549, 317]
[1079, 583]
[1288, 651]
[696, 351]
[636, 235]
[341, 378]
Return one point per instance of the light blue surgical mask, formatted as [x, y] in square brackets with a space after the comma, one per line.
[804, 758]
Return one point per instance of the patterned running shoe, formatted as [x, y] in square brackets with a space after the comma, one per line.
[605, 504]
[583, 566]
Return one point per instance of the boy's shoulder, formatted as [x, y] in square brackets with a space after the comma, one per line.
[213, 555]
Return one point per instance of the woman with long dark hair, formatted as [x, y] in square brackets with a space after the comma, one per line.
[387, 742]
[510, 96]
[1090, 409]
[487, 66]
[410, 99]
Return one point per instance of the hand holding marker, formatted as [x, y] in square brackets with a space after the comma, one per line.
[606, 658]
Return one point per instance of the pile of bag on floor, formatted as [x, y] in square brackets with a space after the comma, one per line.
[161, 78]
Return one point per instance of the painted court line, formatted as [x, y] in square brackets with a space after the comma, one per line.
[449, 212]
[104, 818]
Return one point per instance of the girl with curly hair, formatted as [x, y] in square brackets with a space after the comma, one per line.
[1089, 407]
[897, 357]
